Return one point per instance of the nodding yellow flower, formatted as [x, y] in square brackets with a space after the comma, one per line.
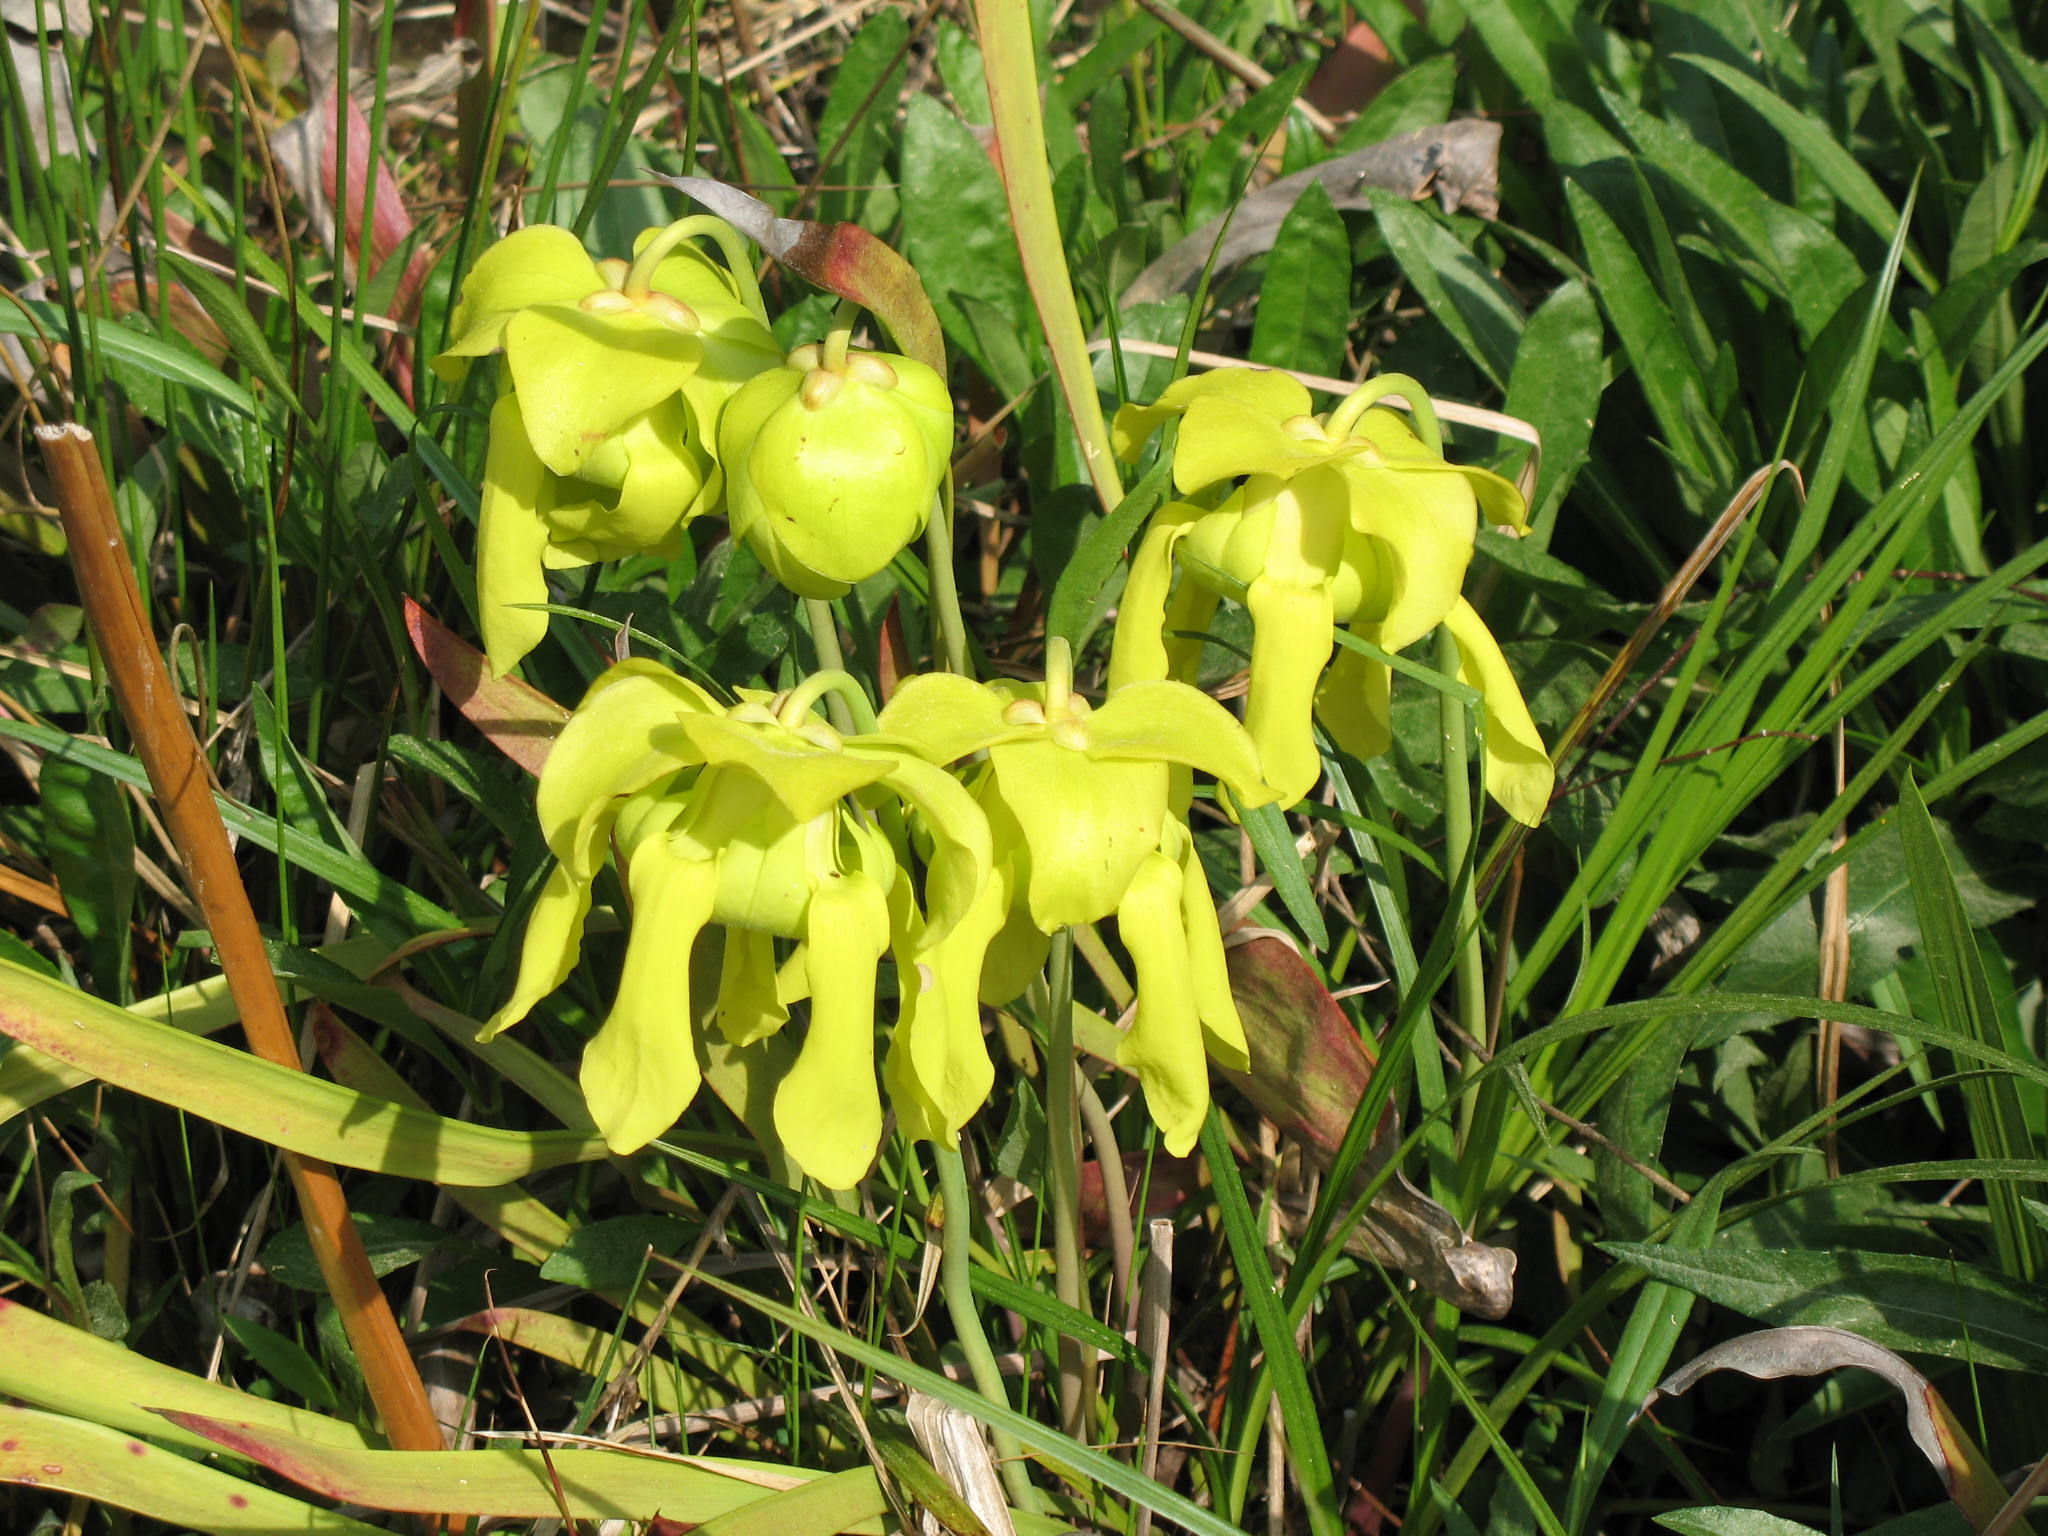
[833, 461]
[1087, 808]
[763, 820]
[615, 375]
[1354, 518]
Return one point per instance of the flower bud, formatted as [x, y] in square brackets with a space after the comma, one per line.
[830, 471]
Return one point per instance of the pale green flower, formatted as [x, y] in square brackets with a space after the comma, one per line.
[759, 819]
[1353, 519]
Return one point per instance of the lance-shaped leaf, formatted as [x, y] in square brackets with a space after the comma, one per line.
[1814, 1351]
[519, 1484]
[515, 717]
[274, 1104]
[1309, 1071]
[840, 258]
[42, 1450]
[69, 1371]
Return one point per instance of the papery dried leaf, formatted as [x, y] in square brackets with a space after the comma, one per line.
[1814, 1351]
[1310, 1068]
[840, 258]
[518, 719]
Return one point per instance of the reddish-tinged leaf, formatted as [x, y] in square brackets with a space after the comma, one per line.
[1310, 1067]
[840, 258]
[518, 719]
[390, 224]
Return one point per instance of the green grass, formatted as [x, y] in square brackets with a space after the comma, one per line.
[1729, 236]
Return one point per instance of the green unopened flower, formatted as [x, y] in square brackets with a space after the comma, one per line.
[833, 460]
[1353, 519]
[614, 379]
[758, 818]
[1087, 810]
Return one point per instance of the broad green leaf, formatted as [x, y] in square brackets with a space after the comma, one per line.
[109, 1467]
[1283, 865]
[244, 335]
[818, 1508]
[1096, 558]
[1904, 1301]
[275, 1104]
[1731, 1521]
[1305, 300]
[1470, 301]
[1558, 377]
[90, 843]
[609, 1254]
[284, 1360]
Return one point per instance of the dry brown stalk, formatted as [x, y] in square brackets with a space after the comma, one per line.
[179, 774]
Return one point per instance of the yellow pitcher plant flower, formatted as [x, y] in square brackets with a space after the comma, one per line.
[761, 818]
[1353, 518]
[615, 376]
[1087, 807]
[833, 461]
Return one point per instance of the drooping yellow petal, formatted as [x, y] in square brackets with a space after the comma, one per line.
[1164, 1046]
[1421, 527]
[1290, 645]
[1137, 650]
[582, 377]
[1089, 824]
[640, 1069]
[1398, 448]
[962, 852]
[749, 1005]
[1518, 770]
[938, 1068]
[510, 539]
[547, 954]
[1208, 973]
[828, 1110]
[541, 264]
[1355, 700]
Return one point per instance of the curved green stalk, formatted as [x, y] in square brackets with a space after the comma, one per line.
[1063, 1158]
[955, 1263]
[1012, 65]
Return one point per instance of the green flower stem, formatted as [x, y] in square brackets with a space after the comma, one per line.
[1470, 970]
[955, 1262]
[1012, 60]
[840, 337]
[1374, 390]
[834, 684]
[831, 666]
[945, 590]
[730, 245]
[1116, 1196]
[1063, 1142]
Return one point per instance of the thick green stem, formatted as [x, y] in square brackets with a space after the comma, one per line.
[1458, 840]
[945, 593]
[840, 337]
[1374, 390]
[825, 640]
[1063, 1138]
[730, 244]
[1012, 61]
[955, 1262]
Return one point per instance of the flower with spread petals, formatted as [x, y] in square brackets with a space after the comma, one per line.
[832, 462]
[1353, 519]
[1087, 809]
[614, 379]
[761, 818]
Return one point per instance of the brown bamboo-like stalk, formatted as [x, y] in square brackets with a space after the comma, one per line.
[179, 774]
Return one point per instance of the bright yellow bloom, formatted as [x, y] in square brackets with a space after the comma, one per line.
[1086, 806]
[1351, 519]
[761, 818]
[613, 383]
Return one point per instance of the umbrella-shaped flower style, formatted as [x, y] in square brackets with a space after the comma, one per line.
[1087, 807]
[832, 462]
[615, 376]
[1354, 519]
[761, 818]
